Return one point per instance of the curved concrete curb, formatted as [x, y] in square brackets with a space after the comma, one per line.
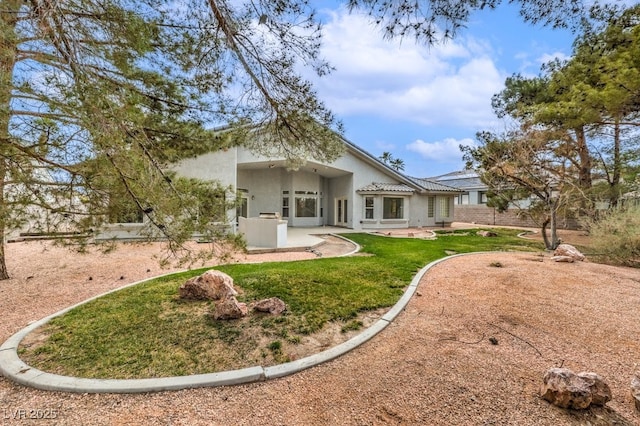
[12, 367]
[356, 245]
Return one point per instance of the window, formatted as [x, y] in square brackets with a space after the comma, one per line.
[444, 207]
[306, 203]
[306, 206]
[392, 208]
[368, 207]
[285, 206]
[482, 197]
[431, 206]
[242, 208]
[464, 198]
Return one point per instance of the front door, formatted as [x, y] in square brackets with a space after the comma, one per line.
[342, 211]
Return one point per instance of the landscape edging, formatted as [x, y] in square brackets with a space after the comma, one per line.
[13, 368]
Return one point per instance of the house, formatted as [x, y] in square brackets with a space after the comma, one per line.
[355, 191]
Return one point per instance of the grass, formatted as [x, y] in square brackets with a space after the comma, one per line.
[147, 331]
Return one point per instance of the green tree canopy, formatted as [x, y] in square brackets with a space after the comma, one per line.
[98, 97]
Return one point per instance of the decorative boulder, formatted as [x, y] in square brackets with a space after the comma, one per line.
[486, 234]
[635, 390]
[272, 305]
[568, 250]
[229, 308]
[212, 285]
[564, 388]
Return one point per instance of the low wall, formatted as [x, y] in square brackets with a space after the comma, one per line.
[268, 233]
[484, 215]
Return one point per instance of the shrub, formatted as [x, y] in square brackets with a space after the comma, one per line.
[616, 236]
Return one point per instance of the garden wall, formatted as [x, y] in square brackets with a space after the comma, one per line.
[484, 215]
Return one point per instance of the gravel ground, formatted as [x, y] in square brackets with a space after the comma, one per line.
[433, 365]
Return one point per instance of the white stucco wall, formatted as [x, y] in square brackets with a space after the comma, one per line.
[215, 166]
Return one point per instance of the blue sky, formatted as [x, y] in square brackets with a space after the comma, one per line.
[420, 103]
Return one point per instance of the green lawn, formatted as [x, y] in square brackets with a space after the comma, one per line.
[147, 331]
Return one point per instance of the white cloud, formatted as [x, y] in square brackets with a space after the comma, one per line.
[383, 146]
[548, 57]
[446, 84]
[446, 150]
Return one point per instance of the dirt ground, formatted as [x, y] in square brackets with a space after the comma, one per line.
[434, 365]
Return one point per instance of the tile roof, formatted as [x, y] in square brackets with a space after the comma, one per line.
[464, 183]
[430, 185]
[388, 187]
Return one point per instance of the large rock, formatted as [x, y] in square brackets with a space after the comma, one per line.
[564, 388]
[229, 308]
[568, 250]
[635, 390]
[272, 305]
[486, 234]
[212, 285]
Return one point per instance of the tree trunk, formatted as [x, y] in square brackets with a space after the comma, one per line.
[585, 181]
[555, 242]
[4, 273]
[584, 171]
[551, 221]
[614, 185]
[8, 20]
[545, 237]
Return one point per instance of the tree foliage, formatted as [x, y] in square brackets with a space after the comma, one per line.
[97, 98]
[432, 22]
[526, 169]
[395, 163]
[587, 109]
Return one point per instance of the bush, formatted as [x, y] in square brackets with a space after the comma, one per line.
[616, 236]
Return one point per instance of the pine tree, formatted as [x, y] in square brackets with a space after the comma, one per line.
[97, 98]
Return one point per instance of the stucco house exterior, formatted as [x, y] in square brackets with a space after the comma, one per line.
[356, 191]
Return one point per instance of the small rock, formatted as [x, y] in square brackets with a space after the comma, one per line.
[564, 388]
[493, 340]
[272, 305]
[212, 285]
[568, 250]
[486, 234]
[229, 308]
